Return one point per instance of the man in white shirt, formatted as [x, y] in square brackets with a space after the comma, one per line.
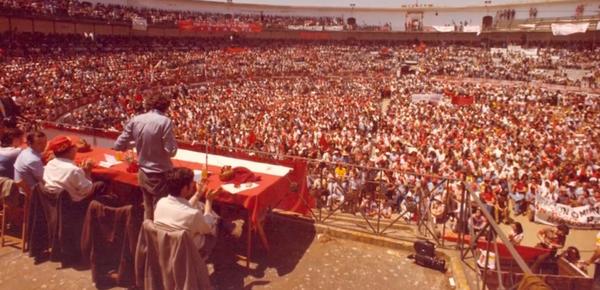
[182, 209]
[61, 173]
[336, 193]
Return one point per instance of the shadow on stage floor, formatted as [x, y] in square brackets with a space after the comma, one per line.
[288, 242]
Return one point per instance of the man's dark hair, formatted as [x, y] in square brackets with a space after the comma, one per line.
[9, 135]
[33, 135]
[563, 228]
[158, 101]
[177, 178]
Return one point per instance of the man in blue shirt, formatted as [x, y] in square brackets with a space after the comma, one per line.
[154, 139]
[29, 166]
[11, 140]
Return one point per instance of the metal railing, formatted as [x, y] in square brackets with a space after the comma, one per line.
[340, 187]
[491, 232]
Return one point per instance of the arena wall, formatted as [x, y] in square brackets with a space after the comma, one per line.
[64, 27]
[21, 24]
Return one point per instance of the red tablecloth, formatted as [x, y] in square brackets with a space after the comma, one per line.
[257, 201]
[529, 254]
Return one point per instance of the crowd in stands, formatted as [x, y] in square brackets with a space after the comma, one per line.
[324, 101]
[529, 128]
[118, 13]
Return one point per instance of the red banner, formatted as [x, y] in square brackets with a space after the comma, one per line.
[463, 100]
[235, 49]
[460, 100]
[203, 26]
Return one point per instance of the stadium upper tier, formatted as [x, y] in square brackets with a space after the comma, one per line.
[406, 17]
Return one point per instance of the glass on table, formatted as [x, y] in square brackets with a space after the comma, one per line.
[119, 156]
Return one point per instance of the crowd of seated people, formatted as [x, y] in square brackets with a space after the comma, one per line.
[119, 13]
[323, 100]
[48, 73]
[343, 105]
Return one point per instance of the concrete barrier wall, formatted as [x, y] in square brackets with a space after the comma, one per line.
[22, 24]
[44, 26]
[101, 29]
[64, 27]
[84, 28]
[4, 24]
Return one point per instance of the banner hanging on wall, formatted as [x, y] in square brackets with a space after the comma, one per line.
[203, 26]
[139, 23]
[443, 28]
[472, 28]
[569, 28]
[547, 211]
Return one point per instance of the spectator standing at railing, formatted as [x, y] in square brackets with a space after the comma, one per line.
[154, 139]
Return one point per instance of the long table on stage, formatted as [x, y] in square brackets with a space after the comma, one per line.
[257, 201]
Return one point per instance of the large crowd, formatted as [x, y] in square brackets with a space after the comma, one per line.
[384, 127]
[344, 102]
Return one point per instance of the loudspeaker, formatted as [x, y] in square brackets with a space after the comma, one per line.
[424, 248]
[431, 262]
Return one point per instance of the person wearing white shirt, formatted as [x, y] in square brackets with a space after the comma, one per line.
[336, 193]
[182, 209]
[61, 173]
[516, 235]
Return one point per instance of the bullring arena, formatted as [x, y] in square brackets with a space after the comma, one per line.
[354, 145]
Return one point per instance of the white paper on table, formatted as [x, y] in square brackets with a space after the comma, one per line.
[109, 161]
[230, 187]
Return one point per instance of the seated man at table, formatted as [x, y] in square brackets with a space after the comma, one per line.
[29, 166]
[10, 147]
[182, 209]
[61, 173]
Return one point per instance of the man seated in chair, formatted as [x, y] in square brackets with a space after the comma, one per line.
[182, 209]
[29, 166]
[61, 173]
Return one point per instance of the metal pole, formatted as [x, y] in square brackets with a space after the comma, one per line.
[498, 270]
[446, 212]
[379, 201]
[487, 258]
[502, 236]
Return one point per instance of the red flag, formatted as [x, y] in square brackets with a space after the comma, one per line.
[463, 100]
[251, 138]
[185, 25]
[449, 93]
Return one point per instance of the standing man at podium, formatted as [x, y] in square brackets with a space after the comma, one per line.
[152, 133]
